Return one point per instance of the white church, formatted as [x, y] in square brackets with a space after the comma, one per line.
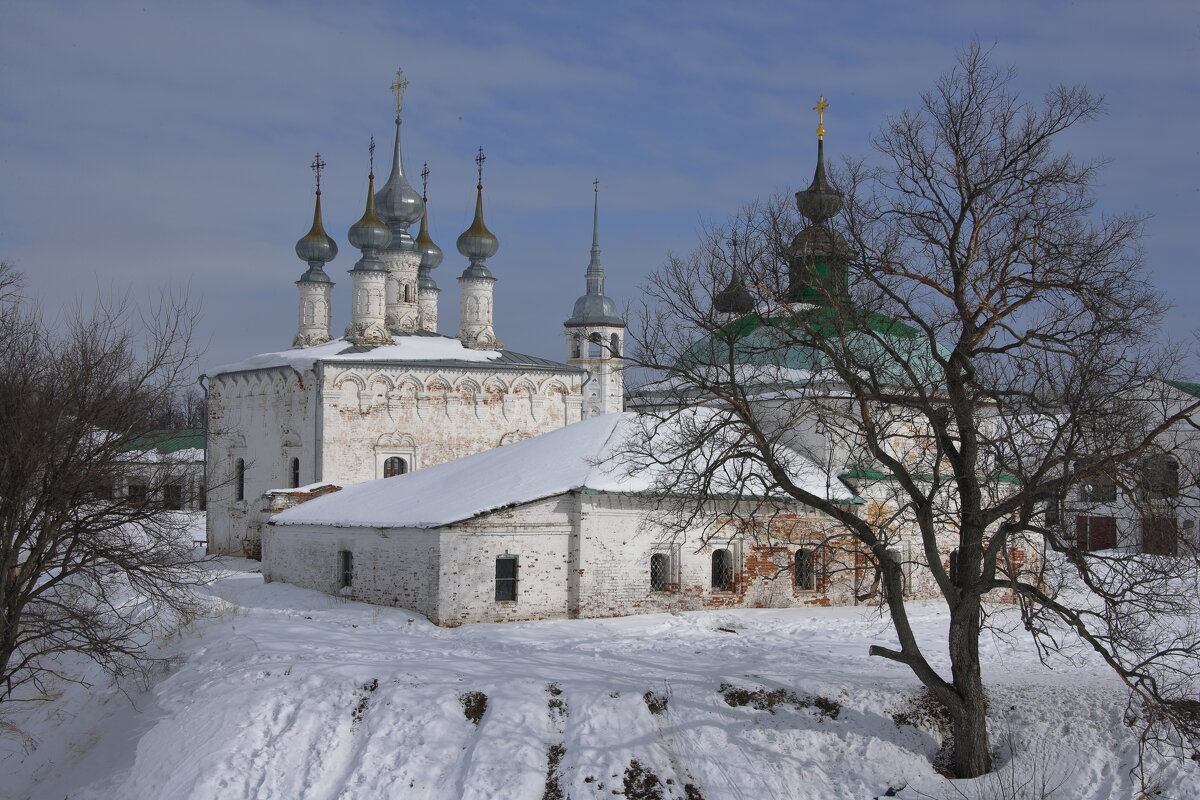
[393, 394]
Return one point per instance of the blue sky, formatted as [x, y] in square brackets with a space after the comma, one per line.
[149, 144]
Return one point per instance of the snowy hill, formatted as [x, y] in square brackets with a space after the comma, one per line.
[294, 694]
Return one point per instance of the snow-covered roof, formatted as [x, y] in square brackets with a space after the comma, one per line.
[576, 457]
[409, 347]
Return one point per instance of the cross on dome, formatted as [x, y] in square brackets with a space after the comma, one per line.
[398, 86]
[820, 109]
[316, 166]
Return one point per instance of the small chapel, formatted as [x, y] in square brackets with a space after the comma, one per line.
[394, 394]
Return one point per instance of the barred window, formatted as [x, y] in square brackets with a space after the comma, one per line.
[722, 570]
[805, 575]
[345, 568]
[394, 466]
[660, 572]
[506, 578]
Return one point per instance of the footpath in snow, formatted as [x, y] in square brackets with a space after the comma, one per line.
[289, 694]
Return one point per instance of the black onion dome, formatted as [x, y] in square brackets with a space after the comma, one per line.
[820, 201]
[819, 241]
[734, 298]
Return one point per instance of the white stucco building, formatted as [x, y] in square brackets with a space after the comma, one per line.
[392, 395]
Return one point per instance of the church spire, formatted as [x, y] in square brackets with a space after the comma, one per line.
[594, 307]
[317, 249]
[478, 244]
[398, 202]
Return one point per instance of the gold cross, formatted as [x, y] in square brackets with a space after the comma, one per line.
[820, 109]
[398, 86]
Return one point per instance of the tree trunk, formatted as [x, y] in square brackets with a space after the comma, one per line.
[972, 750]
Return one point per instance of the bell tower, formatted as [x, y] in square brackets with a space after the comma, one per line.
[595, 334]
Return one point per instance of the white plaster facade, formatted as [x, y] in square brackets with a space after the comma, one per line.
[597, 348]
[342, 420]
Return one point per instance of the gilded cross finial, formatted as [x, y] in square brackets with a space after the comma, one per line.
[372, 149]
[316, 166]
[820, 109]
[425, 182]
[479, 159]
[398, 86]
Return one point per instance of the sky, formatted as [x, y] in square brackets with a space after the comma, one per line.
[166, 145]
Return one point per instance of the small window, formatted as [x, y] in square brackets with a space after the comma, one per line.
[1095, 533]
[345, 568]
[295, 473]
[173, 497]
[137, 492]
[1160, 535]
[660, 572]
[394, 466]
[614, 345]
[805, 575]
[1098, 489]
[722, 570]
[1160, 477]
[240, 477]
[506, 578]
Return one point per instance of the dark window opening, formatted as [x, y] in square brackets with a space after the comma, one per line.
[241, 478]
[137, 492]
[345, 568]
[1160, 477]
[1095, 533]
[660, 572]
[1098, 489]
[722, 570]
[173, 497]
[576, 346]
[295, 473]
[595, 346]
[614, 343]
[506, 578]
[806, 575]
[1160, 535]
[394, 466]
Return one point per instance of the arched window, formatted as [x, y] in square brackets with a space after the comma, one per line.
[577, 346]
[394, 466]
[240, 470]
[806, 576]
[722, 570]
[595, 346]
[614, 345]
[295, 472]
[506, 578]
[660, 569]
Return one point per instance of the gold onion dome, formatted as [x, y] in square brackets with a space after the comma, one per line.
[477, 242]
[316, 248]
[431, 254]
[370, 233]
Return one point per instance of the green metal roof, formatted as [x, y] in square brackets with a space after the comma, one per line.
[170, 441]
[1186, 386]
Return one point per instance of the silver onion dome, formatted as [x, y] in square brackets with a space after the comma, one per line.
[595, 307]
[477, 243]
[398, 202]
[431, 254]
[316, 248]
[370, 233]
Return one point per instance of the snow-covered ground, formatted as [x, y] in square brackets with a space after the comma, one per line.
[289, 693]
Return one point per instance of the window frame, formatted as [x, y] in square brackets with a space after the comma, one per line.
[807, 555]
[505, 584]
[403, 466]
[727, 581]
[345, 573]
[666, 584]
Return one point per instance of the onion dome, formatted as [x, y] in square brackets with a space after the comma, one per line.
[370, 233]
[431, 254]
[477, 243]
[398, 202]
[734, 298]
[595, 308]
[819, 241]
[316, 248]
[820, 202]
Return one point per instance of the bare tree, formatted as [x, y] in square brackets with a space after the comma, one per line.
[88, 565]
[962, 340]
